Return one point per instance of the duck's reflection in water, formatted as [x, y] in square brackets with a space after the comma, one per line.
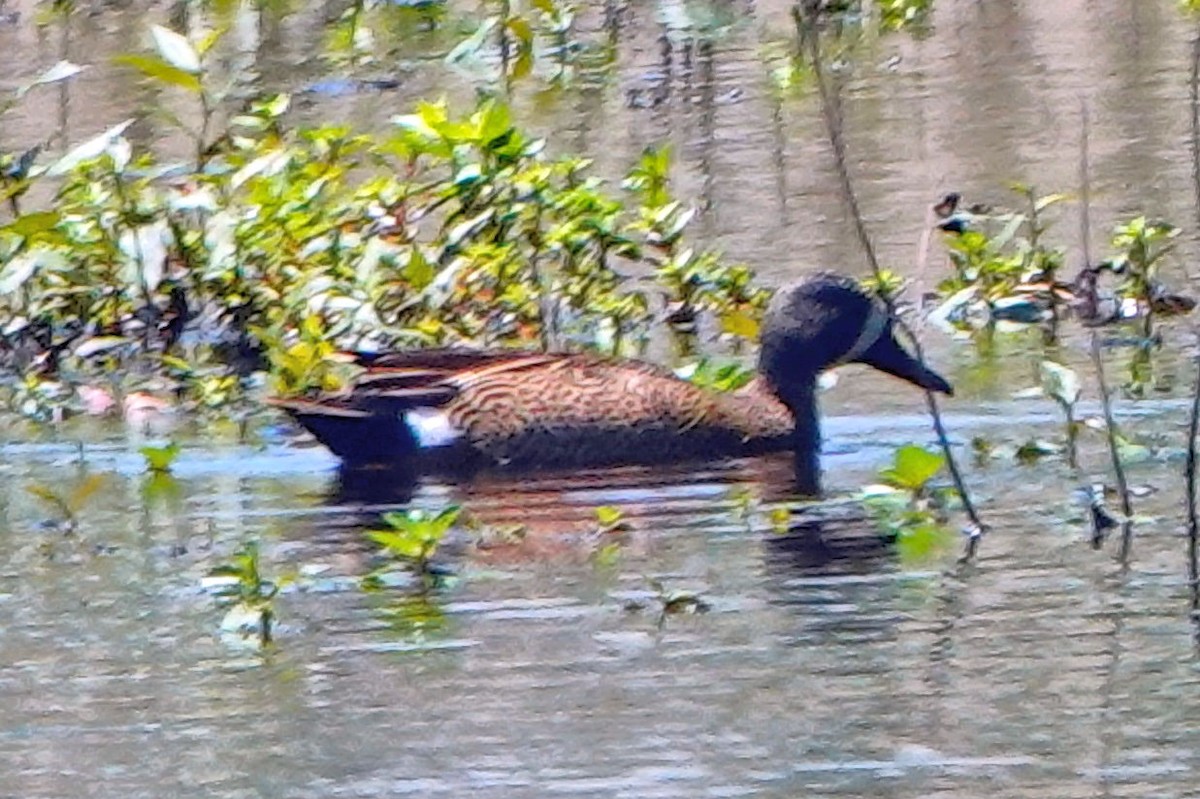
[554, 515]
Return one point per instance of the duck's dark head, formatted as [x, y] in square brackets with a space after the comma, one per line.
[822, 322]
[826, 321]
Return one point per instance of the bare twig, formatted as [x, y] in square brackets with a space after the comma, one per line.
[803, 15]
[1110, 425]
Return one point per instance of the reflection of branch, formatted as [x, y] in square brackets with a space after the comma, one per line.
[1193, 522]
[1110, 425]
[804, 16]
[1194, 421]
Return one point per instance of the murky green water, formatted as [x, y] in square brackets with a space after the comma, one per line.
[823, 667]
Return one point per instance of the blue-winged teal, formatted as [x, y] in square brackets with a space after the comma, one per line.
[461, 409]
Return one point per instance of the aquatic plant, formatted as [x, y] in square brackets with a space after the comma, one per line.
[160, 459]
[517, 37]
[412, 537]
[808, 43]
[610, 519]
[905, 507]
[1002, 263]
[669, 602]
[249, 598]
[1141, 245]
[895, 15]
[288, 245]
[1061, 384]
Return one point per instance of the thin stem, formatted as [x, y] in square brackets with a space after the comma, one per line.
[804, 18]
[1194, 420]
[1110, 425]
[1193, 521]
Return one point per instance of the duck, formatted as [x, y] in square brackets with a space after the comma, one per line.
[461, 410]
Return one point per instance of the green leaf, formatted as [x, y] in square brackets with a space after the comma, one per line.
[467, 229]
[17, 271]
[609, 515]
[523, 66]
[161, 71]
[445, 520]
[522, 31]
[1050, 199]
[740, 324]
[175, 49]
[61, 71]
[1060, 383]
[400, 544]
[607, 556]
[473, 43]
[913, 467]
[31, 224]
[919, 543]
[90, 149]
[159, 459]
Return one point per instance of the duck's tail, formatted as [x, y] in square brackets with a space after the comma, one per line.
[360, 437]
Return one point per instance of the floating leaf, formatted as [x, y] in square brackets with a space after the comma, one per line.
[160, 459]
[610, 517]
[913, 467]
[1032, 450]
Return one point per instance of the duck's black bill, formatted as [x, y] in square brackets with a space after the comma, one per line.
[887, 355]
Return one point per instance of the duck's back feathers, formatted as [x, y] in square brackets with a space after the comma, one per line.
[533, 409]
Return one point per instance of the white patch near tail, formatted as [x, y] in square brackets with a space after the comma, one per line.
[431, 427]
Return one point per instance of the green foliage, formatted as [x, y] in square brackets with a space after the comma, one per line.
[896, 15]
[610, 519]
[887, 284]
[912, 468]
[297, 244]
[1062, 385]
[239, 586]
[709, 373]
[518, 40]
[1003, 251]
[905, 508]
[160, 459]
[413, 617]
[1140, 246]
[413, 537]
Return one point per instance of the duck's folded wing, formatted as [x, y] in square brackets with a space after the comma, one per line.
[393, 408]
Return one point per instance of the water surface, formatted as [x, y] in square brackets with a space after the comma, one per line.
[824, 666]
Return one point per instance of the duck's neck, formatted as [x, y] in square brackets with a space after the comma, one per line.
[801, 399]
